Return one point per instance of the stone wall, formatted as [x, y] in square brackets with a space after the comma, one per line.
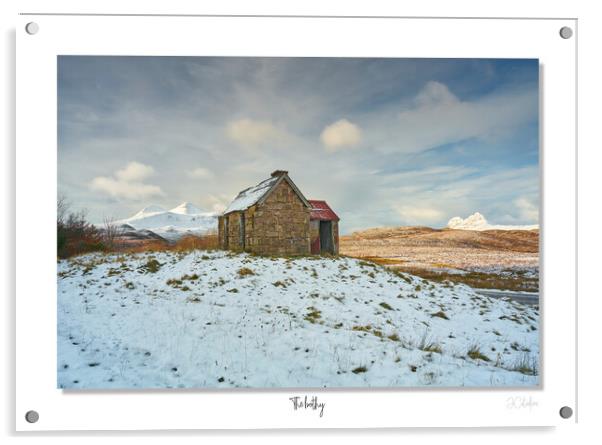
[229, 239]
[279, 225]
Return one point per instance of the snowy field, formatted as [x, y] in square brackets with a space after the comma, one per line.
[217, 319]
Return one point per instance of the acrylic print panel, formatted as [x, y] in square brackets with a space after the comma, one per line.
[299, 217]
[297, 222]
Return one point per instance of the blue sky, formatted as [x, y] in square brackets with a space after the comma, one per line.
[386, 142]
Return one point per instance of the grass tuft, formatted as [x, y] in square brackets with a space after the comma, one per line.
[385, 306]
[151, 266]
[428, 345]
[526, 365]
[393, 337]
[245, 271]
[362, 328]
[440, 314]
[313, 315]
[474, 352]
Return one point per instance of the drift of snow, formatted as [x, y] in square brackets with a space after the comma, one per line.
[250, 196]
[185, 219]
[219, 319]
[476, 221]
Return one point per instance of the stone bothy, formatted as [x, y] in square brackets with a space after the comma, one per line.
[274, 218]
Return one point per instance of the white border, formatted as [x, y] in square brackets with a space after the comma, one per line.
[263, 36]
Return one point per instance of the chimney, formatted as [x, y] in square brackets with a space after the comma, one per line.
[276, 173]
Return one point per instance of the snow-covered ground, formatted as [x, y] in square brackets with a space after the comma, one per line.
[219, 319]
[185, 219]
[476, 221]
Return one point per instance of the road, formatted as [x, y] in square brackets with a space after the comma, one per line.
[530, 298]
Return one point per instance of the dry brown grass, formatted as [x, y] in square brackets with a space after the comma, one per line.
[142, 246]
[245, 271]
[478, 280]
[432, 253]
[194, 242]
[511, 240]
[419, 246]
[184, 244]
[382, 261]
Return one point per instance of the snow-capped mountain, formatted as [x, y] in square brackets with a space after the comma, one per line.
[185, 219]
[147, 211]
[187, 208]
[476, 221]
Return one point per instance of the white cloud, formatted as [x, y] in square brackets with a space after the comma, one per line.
[200, 172]
[218, 208]
[134, 171]
[216, 202]
[527, 210]
[418, 214]
[126, 183]
[435, 93]
[340, 134]
[437, 117]
[250, 132]
[280, 111]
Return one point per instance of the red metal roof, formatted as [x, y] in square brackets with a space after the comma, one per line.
[322, 211]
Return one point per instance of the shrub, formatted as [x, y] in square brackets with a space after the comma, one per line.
[111, 232]
[76, 236]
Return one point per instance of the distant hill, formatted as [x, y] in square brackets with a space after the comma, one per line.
[425, 247]
[509, 240]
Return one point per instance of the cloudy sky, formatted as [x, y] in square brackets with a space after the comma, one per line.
[386, 142]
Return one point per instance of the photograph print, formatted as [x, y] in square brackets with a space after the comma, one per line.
[249, 222]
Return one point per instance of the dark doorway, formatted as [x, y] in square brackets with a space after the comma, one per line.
[226, 231]
[326, 243]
